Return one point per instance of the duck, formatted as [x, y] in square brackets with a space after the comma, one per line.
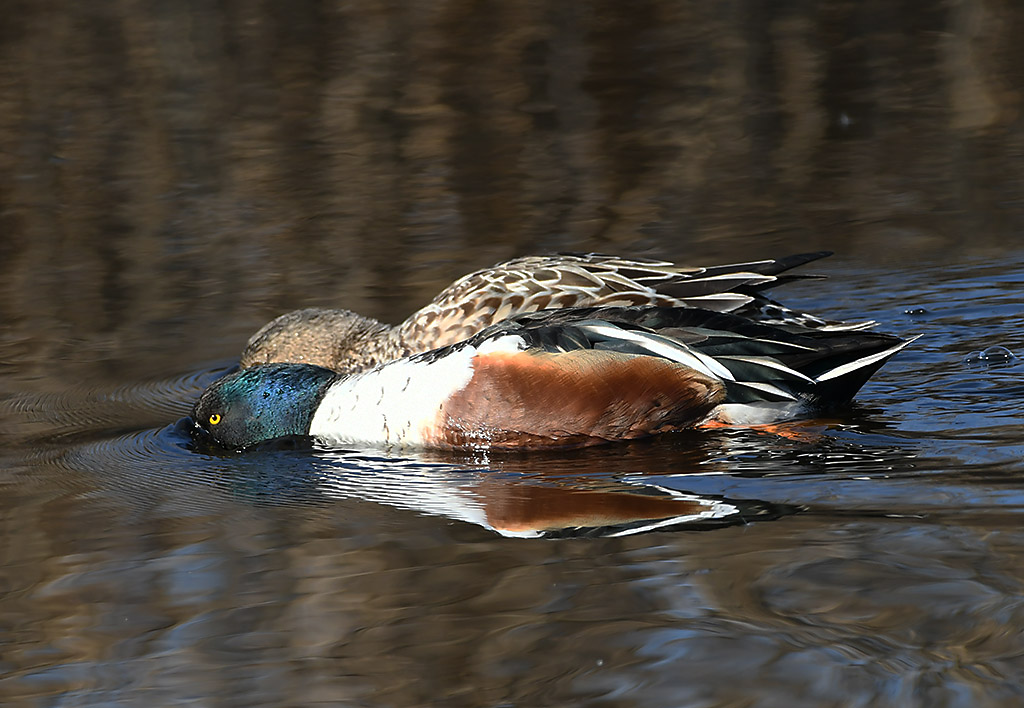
[347, 342]
[554, 378]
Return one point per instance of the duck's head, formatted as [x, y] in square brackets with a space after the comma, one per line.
[337, 339]
[261, 403]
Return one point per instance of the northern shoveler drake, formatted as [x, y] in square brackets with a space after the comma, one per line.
[347, 342]
[569, 377]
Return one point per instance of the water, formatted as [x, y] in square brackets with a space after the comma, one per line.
[171, 178]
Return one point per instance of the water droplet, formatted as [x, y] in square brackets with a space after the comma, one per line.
[993, 355]
[998, 353]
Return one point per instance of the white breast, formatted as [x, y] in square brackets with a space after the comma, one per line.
[401, 402]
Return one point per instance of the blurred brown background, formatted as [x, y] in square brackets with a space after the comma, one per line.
[174, 174]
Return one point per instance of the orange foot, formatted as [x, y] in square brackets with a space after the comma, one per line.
[800, 431]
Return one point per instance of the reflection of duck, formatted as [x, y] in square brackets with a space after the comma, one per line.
[347, 342]
[556, 378]
[532, 510]
[529, 507]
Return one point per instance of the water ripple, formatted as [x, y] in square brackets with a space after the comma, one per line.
[83, 412]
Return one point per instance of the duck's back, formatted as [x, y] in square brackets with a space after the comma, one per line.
[535, 283]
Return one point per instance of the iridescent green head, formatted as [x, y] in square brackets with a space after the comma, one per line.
[261, 403]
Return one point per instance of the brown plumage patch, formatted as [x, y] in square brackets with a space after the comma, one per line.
[537, 399]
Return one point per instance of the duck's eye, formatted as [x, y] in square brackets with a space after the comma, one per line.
[214, 419]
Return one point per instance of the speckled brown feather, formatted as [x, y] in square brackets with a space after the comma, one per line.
[534, 283]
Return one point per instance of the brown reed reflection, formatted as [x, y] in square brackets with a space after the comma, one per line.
[250, 161]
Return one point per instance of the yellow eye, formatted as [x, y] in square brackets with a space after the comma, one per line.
[214, 419]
